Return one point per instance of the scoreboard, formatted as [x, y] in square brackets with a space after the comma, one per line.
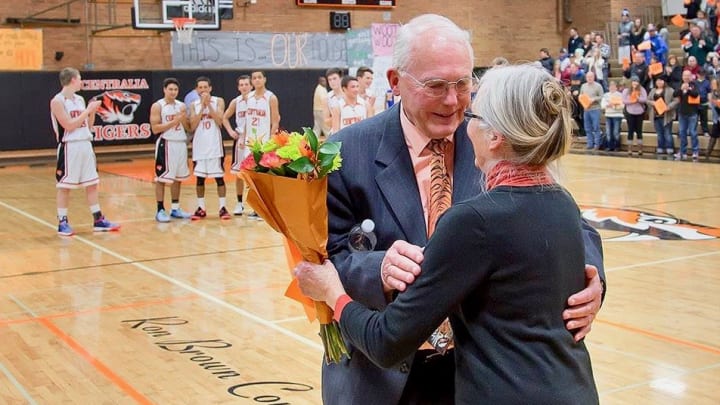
[348, 3]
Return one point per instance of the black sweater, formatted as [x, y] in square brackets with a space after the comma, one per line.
[502, 265]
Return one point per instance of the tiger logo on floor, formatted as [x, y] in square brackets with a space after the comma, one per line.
[642, 226]
[118, 106]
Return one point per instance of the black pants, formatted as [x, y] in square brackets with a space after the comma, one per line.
[431, 380]
[634, 123]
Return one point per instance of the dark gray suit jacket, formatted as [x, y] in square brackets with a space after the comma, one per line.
[377, 182]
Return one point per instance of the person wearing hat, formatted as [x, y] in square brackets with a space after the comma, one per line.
[687, 115]
[624, 29]
[640, 69]
[662, 118]
[658, 46]
[634, 98]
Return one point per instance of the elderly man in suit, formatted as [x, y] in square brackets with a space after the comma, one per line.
[386, 177]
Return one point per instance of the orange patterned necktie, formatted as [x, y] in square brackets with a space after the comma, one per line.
[439, 200]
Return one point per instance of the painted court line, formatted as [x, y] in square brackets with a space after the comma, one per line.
[664, 338]
[17, 385]
[302, 339]
[670, 260]
[674, 376]
[79, 349]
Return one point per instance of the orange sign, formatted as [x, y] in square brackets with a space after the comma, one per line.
[694, 100]
[678, 21]
[644, 46]
[634, 96]
[625, 63]
[660, 106]
[21, 49]
[616, 101]
[584, 100]
[655, 69]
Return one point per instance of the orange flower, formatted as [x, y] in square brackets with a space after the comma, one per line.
[280, 138]
[305, 149]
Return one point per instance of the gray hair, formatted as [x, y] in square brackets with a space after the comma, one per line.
[410, 36]
[529, 108]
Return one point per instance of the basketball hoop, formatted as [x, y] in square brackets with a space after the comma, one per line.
[184, 28]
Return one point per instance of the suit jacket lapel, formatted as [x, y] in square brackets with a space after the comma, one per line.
[396, 180]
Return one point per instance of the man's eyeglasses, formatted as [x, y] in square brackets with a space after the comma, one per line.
[469, 116]
[440, 87]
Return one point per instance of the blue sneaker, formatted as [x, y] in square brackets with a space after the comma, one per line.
[178, 213]
[64, 228]
[103, 225]
[162, 216]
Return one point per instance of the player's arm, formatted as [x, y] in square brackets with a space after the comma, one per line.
[64, 119]
[226, 119]
[217, 115]
[274, 115]
[195, 117]
[335, 119]
[370, 107]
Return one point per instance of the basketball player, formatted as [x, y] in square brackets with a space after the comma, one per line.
[206, 116]
[334, 78]
[168, 118]
[352, 108]
[263, 113]
[365, 78]
[238, 108]
[76, 166]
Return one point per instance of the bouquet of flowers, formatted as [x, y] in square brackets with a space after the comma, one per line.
[286, 176]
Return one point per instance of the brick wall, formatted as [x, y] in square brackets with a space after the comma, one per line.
[516, 29]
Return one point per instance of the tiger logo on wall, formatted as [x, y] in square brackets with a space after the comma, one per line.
[118, 106]
[638, 225]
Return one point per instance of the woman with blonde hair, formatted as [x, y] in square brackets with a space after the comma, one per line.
[501, 265]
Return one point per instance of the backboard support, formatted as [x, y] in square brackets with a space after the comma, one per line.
[158, 15]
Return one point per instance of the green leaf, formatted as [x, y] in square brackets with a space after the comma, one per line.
[312, 139]
[302, 165]
[325, 160]
[330, 148]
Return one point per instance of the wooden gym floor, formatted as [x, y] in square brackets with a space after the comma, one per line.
[194, 313]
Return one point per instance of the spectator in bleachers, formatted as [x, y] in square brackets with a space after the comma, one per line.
[588, 43]
[594, 91]
[663, 32]
[658, 47]
[574, 42]
[596, 64]
[703, 86]
[624, 31]
[711, 12]
[692, 6]
[563, 76]
[634, 98]
[663, 122]
[546, 60]
[637, 35]
[577, 77]
[713, 65]
[613, 106]
[692, 66]
[697, 44]
[688, 115]
[638, 69]
[673, 72]
[715, 107]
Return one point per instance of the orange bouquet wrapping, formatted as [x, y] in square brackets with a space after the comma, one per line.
[287, 184]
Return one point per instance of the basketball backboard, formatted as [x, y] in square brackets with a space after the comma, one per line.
[158, 14]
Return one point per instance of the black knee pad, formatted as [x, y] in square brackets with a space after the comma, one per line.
[201, 181]
[220, 181]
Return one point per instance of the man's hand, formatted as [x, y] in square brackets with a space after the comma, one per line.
[93, 106]
[584, 305]
[400, 265]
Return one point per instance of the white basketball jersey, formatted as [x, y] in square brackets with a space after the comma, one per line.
[240, 113]
[350, 114]
[168, 112]
[257, 118]
[207, 142]
[74, 107]
[334, 100]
